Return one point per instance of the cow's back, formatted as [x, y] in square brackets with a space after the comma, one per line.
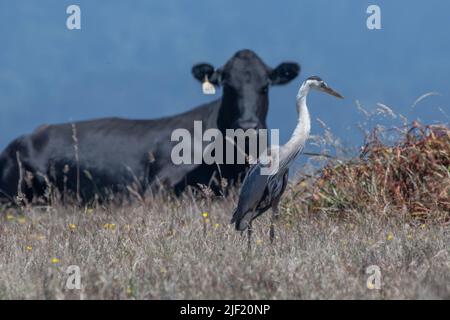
[99, 155]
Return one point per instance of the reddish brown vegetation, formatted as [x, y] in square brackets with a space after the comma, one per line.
[413, 176]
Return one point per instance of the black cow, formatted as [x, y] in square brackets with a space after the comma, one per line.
[95, 157]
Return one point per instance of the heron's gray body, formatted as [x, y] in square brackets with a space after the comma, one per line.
[260, 192]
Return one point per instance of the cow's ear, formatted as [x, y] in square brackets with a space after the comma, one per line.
[202, 70]
[284, 73]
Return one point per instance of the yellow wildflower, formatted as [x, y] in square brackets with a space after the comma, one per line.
[205, 215]
[21, 220]
[129, 291]
[29, 248]
[390, 237]
[259, 241]
[72, 226]
[9, 217]
[216, 226]
[111, 226]
[55, 260]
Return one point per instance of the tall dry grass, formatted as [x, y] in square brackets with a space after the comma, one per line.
[348, 216]
[170, 250]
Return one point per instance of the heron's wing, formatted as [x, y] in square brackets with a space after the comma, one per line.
[275, 189]
[252, 192]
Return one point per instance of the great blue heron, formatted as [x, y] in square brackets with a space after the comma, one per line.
[259, 191]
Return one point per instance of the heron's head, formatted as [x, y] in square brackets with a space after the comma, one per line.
[317, 83]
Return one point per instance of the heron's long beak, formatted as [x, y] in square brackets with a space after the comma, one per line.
[332, 92]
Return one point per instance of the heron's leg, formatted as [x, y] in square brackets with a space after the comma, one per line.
[273, 219]
[249, 236]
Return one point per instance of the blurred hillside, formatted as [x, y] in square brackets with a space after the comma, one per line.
[134, 60]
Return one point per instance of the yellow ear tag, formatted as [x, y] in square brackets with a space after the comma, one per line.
[207, 87]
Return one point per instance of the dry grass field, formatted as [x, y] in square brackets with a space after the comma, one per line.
[376, 211]
[173, 252]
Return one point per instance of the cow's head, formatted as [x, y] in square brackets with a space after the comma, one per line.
[245, 79]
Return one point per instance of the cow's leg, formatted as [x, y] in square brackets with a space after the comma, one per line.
[19, 182]
[9, 179]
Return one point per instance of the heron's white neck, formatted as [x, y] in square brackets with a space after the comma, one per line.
[301, 132]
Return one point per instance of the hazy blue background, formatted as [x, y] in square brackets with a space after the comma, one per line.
[133, 58]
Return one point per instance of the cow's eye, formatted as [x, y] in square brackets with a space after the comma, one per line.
[265, 89]
[229, 88]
